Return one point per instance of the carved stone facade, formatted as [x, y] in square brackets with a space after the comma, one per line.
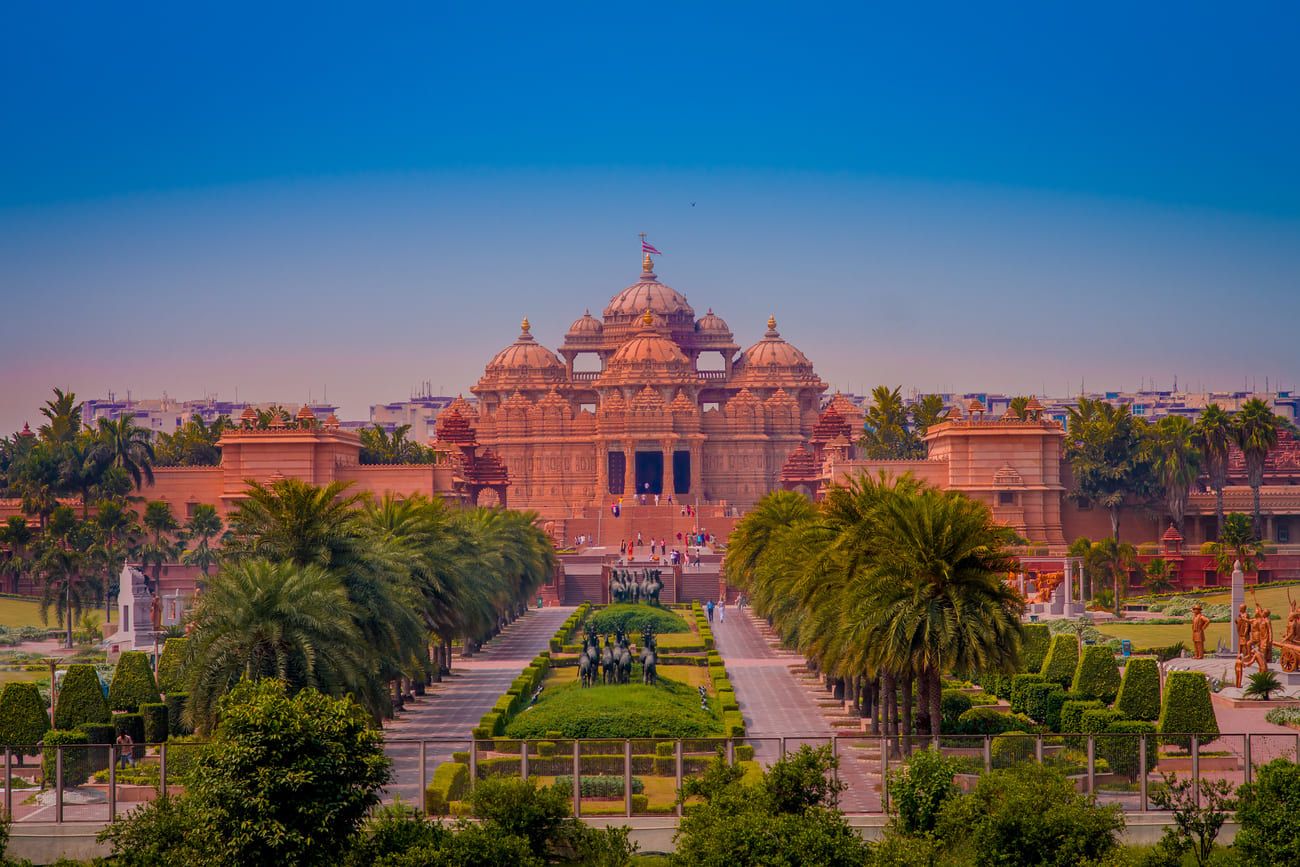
[650, 419]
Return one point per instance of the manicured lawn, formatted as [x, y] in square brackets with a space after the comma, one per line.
[617, 710]
[671, 640]
[1147, 635]
[20, 612]
[691, 675]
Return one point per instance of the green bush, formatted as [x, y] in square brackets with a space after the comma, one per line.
[1097, 676]
[519, 808]
[616, 711]
[1033, 650]
[1121, 749]
[170, 664]
[76, 757]
[1139, 690]
[1072, 713]
[1029, 814]
[1002, 687]
[952, 704]
[920, 788]
[634, 618]
[1056, 700]
[184, 753]
[81, 699]
[23, 717]
[1097, 720]
[733, 724]
[100, 734]
[1269, 813]
[133, 683]
[1036, 703]
[1186, 709]
[133, 725]
[598, 785]
[1062, 659]
[986, 721]
[744, 752]
[156, 729]
[1009, 748]
[176, 725]
[1018, 684]
[450, 783]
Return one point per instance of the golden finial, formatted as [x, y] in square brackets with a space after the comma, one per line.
[647, 318]
[771, 323]
[647, 265]
[524, 325]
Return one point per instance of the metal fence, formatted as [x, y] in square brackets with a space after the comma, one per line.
[644, 776]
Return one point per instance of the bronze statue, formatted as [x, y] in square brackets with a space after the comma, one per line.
[1292, 633]
[155, 613]
[1199, 624]
[1263, 632]
[1243, 627]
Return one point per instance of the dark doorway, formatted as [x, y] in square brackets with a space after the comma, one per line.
[617, 472]
[649, 473]
[681, 472]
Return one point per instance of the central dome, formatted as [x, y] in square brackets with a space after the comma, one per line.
[649, 346]
[648, 294]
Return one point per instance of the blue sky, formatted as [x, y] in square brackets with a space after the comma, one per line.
[971, 196]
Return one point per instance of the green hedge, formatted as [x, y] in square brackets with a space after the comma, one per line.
[156, 729]
[175, 707]
[1033, 650]
[1011, 748]
[76, 758]
[598, 785]
[1072, 713]
[1019, 683]
[132, 724]
[81, 699]
[1056, 700]
[952, 704]
[170, 664]
[98, 733]
[450, 783]
[1037, 706]
[1062, 659]
[986, 721]
[133, 683]
[24, 719]
[634, 618]
[1097, 720]
[1123, 753]
[1096, 675]
[615, 711]
[1186, 708]
[1139, 690]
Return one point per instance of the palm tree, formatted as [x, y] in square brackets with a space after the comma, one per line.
[63, 418]
[1107, 459]
[81, 469]
[15, 536]
[127, 446]
[885, 432]
[1158, 575]
[1215, 434]
[259, 619]
[1176, 460]
[161, 547]
[1256, 430]
[62, 562]
[749, 542]
[204, 525]
[1019, 407]
[1113, 559]
[926, 413]
[118, 528]
[1237, 544]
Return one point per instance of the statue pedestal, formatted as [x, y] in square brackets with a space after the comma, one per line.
[135, 608]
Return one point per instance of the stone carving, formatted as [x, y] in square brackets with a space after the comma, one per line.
[632, 587]
[1199, 624]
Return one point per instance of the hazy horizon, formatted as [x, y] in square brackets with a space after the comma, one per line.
[958, 202]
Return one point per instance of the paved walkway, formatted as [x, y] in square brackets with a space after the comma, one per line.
[776, 706]
[452, 708]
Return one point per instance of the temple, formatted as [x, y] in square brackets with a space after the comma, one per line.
[669, 405]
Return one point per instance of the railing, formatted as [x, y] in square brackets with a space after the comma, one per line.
[712, 375]
[644, 776]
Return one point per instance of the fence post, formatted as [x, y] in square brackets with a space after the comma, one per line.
[1038, 748]
[627, 776]
[781, 750]
[1247, 746]
[731, 752]
[9, 789]
[1196, 769]
[112, 781]
[884, 775]
[677, 750]
[162, 769]
[835, 758]
[1142, 770]
[1092, 763]
[988, 753]
[58, 784]
[577, 779]
[424, 777]
[473, 761]
[523, 760]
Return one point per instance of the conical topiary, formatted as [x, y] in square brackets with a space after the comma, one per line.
[1139, 690]
[133, 683]
[1186, 709]
[170, 665]
[1097, 676]
[24, 719]
[1062, 659]
[81, 699]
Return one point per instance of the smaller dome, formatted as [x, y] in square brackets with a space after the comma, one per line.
[711, 323]
[587, 326]
[773, 351]
[525, 352]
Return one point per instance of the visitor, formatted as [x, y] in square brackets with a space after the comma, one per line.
[709, 608]
[722, 610]
[656, 499]
[652, 547]
[683, 515]
[639, 541]
[125, 751]
[670, 499]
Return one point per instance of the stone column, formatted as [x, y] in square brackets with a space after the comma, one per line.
[668, 469]
[1069, 587]
[629, 473]
[1238, 597]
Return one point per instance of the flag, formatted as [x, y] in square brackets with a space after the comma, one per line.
[647, 247]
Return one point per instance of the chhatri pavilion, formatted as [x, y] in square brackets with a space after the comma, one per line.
[667, 404]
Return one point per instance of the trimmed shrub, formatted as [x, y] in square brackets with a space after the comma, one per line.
[1096, 720]
[1186, 708]
[76, 757]
[1139, 690]
[1072, 713]
[81, 699]
[632, 710]
[1036, 703]
[133, 725]
[1062, 659]
[744, 752]
[1097, 676]
[450, 783]
[133, 683]
[733, 724]
[170, 664]
[1018, 684]
[634, 618]
[952, 704]
[1269, 813]
[986, 721]
[101, 734]
[1123, 753]
[1033, 650]
[155, 722]
[23, 717]
[1002, 686]
[598, 785]
[175, 707]
[1056, 700]
[1011, 748]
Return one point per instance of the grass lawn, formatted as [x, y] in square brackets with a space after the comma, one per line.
[618, 710]
[20, 612]
[670, 640]
[1148, 635]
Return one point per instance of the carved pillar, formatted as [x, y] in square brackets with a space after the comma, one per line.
[669, 487]
[629, 472]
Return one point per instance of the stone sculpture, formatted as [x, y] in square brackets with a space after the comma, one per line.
[625, 586]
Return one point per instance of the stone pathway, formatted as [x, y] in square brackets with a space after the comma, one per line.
[777, 704]
[449, 710]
